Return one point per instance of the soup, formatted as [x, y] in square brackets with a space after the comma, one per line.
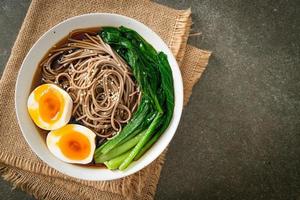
[121, 93]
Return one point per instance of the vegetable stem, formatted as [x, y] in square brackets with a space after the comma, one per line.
[147, 146]
[141, 143]
[137, 119]
[119, 150]
[115, 163]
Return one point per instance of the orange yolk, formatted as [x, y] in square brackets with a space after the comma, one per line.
[49, 106]
[74, 145]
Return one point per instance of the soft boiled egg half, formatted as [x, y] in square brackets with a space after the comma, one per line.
[72, 143]
[50, 107]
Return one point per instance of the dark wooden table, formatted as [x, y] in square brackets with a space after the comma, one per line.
[239, 137]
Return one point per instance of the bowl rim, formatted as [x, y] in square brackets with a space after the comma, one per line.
[143, 162]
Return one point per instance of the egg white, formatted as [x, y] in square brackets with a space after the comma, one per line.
[52, 140]
[67, 110]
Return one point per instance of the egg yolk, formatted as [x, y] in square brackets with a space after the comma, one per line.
[74, 145]
[49, 106]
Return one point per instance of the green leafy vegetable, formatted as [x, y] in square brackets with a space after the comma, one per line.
[154, 77]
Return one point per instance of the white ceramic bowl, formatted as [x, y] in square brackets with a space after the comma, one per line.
[30, 64]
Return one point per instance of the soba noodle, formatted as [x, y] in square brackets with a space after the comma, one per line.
[98, 80]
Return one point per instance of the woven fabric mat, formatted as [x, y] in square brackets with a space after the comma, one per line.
[20, 166]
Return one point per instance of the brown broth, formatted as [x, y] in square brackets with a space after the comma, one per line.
[92, 165]
[37, 79]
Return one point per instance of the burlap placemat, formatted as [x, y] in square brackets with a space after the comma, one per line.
[20, 165]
